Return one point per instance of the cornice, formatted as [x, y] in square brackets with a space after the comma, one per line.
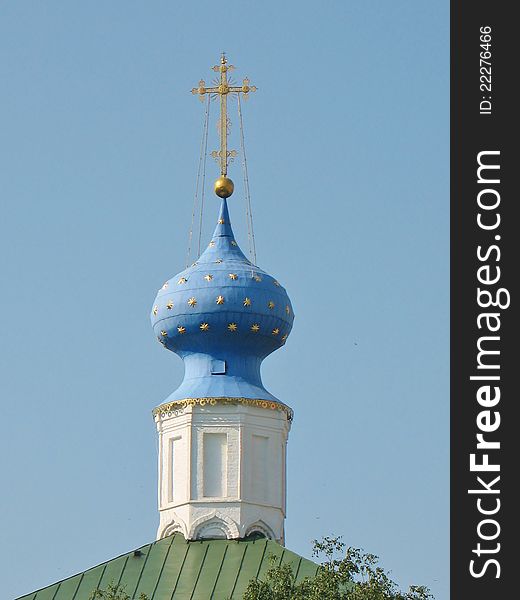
[166, 409]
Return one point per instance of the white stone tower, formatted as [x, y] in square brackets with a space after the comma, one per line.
[222, 469]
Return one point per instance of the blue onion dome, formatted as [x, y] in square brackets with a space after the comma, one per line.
[222, 316]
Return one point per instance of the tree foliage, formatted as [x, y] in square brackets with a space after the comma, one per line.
[345, 574]
[114, 591]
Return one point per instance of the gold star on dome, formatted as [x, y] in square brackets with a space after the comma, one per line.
[192, 302]
[233, 276]
[232, 326]
[155, 309]
[204, 326]
[270, 304]
[164, 333]
[257, 278]
[218, 261]
[277, 283]
[220, 300]
[181, 329]
[247, 301]
[233, 243]
[288, 310]
[255, 328]
[275, 331]
[211, 244]
[221, 221]
[165, 285]
[194, 264]
[208, 277]
[182, 280]
[169, 306]
[284, 337]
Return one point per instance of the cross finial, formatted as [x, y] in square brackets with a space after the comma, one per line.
[223, 185]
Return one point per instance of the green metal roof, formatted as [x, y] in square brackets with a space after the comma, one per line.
[174, 569]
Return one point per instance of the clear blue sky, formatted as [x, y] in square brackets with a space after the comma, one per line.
[347, 141]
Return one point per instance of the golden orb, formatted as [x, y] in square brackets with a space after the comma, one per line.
[224, 187]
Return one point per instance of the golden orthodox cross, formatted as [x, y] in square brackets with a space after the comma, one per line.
[223, 89]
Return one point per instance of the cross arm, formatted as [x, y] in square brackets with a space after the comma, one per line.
[245, 89]
[202, 89]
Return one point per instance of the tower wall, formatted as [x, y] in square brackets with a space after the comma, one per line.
[222, 467]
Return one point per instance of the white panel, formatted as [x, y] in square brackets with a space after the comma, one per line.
[215, 465]
[283, 490]
[195, 451]
[173, 475]
[260, 481]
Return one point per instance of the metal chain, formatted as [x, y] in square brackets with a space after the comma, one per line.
[204, 175]
[249, 213]
[201, 168]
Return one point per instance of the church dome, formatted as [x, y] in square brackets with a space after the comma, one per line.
[222, 316]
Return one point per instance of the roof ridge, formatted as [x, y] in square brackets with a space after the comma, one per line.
[171, 570]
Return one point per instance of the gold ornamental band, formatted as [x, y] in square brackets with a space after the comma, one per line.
[168, 407]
